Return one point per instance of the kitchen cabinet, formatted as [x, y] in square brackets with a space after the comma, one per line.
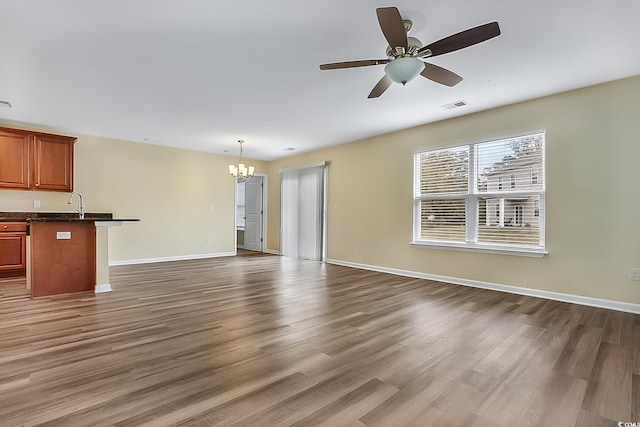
[53, 162]
[63, 257]
[14, 159]
[36, 161]
[13, 244]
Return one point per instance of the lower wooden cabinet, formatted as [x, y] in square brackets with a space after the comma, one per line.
[13, 244]
[63, 257]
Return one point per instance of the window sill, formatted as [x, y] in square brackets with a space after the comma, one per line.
[534, 253]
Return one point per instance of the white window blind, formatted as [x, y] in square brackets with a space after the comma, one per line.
[487, 195]
[303, 213]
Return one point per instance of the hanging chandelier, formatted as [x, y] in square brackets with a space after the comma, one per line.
[241, 170]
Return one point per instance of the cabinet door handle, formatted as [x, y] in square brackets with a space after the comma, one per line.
[5, 227]
[37, 184]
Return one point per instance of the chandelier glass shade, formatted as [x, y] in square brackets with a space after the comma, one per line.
[404, 69]
[241, 170]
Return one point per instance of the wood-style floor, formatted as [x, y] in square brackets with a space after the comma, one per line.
[13, 288]
[270, 341]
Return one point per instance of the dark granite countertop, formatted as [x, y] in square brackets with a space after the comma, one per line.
[76, 219]
[58, 216]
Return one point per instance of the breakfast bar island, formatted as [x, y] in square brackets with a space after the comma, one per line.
[65, 253]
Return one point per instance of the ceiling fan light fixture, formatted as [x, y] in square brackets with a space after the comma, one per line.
[405, 69]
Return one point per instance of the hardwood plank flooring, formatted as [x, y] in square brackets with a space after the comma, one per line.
[262, 340]
[13, 288]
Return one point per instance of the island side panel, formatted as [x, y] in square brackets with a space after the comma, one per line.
[61, 265]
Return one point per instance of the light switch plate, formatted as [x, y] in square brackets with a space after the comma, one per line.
[63, 235]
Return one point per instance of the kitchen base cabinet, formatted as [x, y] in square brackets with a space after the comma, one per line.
[13, 260]
[63, 257]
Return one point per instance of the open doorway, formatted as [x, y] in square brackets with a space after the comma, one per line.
[250, 196]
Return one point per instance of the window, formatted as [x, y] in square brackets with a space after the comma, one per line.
[460, 200]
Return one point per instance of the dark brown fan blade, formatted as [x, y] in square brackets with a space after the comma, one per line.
[462, 39]
[392, 26]
[440, 75]
[353, 64]
[379, 88]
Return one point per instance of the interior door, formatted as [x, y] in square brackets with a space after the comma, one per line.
[253, 214]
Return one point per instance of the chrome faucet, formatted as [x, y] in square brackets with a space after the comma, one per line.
[80, 209]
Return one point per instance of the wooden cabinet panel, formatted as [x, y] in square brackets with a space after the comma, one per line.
[13, 244]
[14, 160]
[62, 266]
[35, 161]
[53, 163]
[13, 251]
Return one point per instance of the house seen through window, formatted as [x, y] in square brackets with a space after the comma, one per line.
[460, 199]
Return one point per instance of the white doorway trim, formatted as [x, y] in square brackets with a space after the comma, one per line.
[263, 235]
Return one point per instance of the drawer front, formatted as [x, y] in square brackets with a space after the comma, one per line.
[13, 226]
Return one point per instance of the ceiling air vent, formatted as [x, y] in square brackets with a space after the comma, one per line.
[5, 104]
[453, 105]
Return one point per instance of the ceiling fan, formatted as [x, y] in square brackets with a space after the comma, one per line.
[405, 54]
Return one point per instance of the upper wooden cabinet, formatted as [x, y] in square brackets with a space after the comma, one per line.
[35, 161]
[14, 160]
[53, 162]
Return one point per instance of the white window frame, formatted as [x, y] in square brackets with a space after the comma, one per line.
[472, 199]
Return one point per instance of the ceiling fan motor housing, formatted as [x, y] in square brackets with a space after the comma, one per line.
[413, 44]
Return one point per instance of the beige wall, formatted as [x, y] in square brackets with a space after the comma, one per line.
[593, 231]
[592, 203]
[170, 190]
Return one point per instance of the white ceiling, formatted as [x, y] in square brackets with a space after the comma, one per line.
[201, 74]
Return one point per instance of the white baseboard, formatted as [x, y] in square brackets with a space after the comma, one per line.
[271, 251]
[556, 296]
[172, 258]
[104, 287]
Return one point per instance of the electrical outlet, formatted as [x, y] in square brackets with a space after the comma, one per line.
[634, 274]
[63, 235]
[383, 249]
[36, 203]
[206, 240]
